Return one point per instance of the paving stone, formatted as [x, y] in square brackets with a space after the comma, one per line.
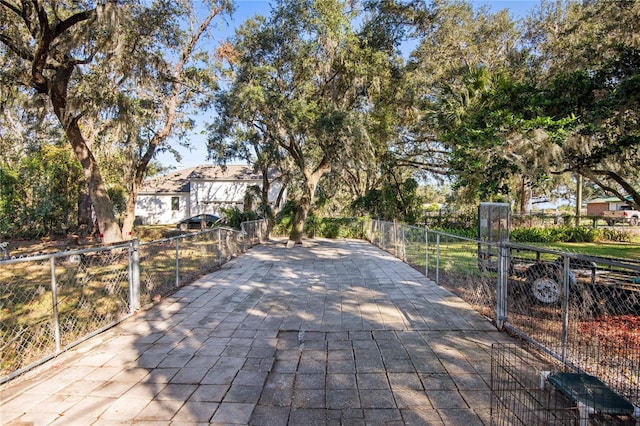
[195, 411]
[233, 413]
[250, 378]
[189, 375]
[463, 416]
[219, 376]
[209, 393]
[341, 381]
[243, 394]
[309, 398]
[376, 398]
[281, 397]
[175, 392]
[157, 411]
[411, 398]
[310, 381]
[421, 417]
[342, 399]
[405, 381]
[269, 415]
[446, 399]
[382, 415]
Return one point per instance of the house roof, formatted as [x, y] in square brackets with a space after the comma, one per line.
[180, 181]
[607, 200]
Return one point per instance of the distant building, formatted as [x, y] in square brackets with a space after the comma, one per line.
[596, 206]
[202, 189]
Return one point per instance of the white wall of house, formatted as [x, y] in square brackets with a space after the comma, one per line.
[156, 209]
[213, 196]
[205, 196]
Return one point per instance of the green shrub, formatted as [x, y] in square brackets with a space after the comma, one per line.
[343, 227]
[531, 235]
[324, 227]
[615, 235]
[567, 234]
[233, 217]
[461, 232]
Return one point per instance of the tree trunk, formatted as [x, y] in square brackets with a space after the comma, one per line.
[56, 88]
[103, 209]
[304, 205]
[129, 215]
[525, 195]
[297, 228]
[85, 217]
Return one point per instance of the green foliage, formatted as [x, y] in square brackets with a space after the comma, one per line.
[233, 217]
[341, 227]
[567, 234]
[325, 227]
[392, 200]
[615, 235]
[461, 232]
[40, 196]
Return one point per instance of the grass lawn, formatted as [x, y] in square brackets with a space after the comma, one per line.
[629, 251]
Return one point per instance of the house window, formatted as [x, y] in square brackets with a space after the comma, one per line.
[175, 203]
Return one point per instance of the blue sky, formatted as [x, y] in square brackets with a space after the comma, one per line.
[248, 8]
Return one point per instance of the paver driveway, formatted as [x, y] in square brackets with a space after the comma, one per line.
[331, 332]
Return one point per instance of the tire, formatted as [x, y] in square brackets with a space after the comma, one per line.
[633, 221]
[545, 282]
[184, 227]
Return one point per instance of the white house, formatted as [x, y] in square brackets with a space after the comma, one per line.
[197, 190]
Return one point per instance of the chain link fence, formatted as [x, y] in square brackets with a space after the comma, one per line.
[584, 310]
[49, 303]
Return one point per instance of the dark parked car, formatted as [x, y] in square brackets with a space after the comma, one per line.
[195, 222]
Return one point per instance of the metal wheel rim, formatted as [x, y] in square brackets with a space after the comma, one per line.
[546, 290]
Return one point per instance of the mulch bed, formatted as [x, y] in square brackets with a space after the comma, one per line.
[621, 331]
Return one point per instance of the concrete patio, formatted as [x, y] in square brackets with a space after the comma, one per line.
[331, 332]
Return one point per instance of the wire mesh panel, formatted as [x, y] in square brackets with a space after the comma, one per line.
[519, 394]
[197, 255]
[579, 306]
[452, 262]
[493, 227]
[232, 243]
[256, 231]
[414, 247]
[26, 313]
[530, 386]
[50, 302]
[157, 269]
[92, 291]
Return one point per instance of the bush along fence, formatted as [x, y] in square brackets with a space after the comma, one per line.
[583, 310]
[50, 303]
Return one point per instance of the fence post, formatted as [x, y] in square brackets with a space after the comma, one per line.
[54, 301]
[565, 305]
[501, 290]
[177, 262]
[219, 247]
[426, 260]
[134, 283]
[437, 259]
[243, 236]
[395, 239]
[404, 248]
